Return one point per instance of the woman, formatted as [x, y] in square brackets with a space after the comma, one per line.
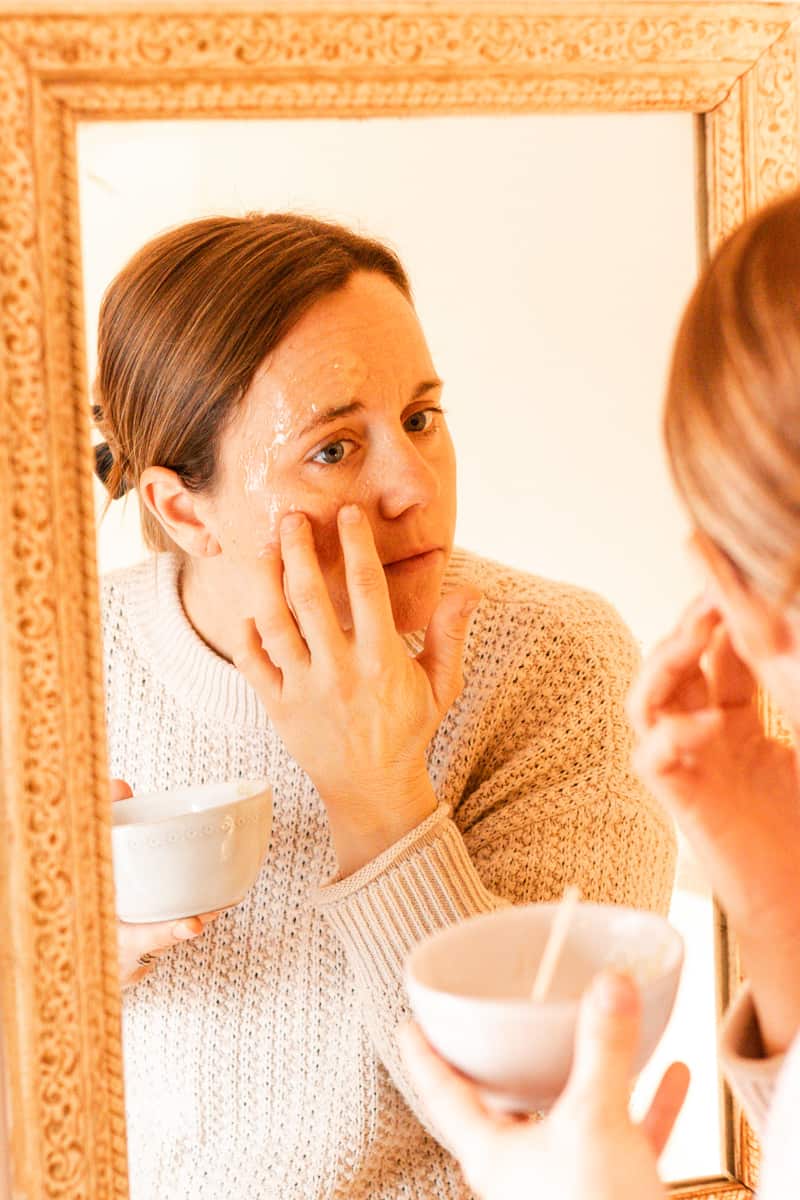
[732, 426]
[265, 385]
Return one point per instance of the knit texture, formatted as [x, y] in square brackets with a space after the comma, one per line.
[260, 1058]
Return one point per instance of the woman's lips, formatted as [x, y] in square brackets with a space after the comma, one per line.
[415, 562]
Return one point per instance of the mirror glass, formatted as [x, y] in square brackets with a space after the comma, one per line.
[550, 258]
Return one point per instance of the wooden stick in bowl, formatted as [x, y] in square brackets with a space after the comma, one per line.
[555, 944]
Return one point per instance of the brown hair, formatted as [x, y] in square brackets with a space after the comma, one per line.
[732, 415]
[185, 325]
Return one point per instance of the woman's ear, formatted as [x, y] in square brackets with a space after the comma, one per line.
[759, 629]
[180, 513]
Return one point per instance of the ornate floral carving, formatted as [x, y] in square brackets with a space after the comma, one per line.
[749, 1155]
[63, 1041]
[754, 136]
[725, 163]
[462, 37]
[773, 109]
[60, 1009]
[716, 1190]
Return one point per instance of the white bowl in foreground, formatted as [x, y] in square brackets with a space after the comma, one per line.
[190, 851]
[469, 987]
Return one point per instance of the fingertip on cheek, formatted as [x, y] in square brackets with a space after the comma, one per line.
[292, 521]
[349, 514]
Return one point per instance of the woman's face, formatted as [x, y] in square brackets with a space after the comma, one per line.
[346, 409]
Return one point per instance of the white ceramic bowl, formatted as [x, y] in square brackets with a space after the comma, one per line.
[469, 988]
[195, 850]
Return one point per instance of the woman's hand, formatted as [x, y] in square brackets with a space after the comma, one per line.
[354, 709]
[140, 946]
[736, 794]
[701, 747]
[587, 1145]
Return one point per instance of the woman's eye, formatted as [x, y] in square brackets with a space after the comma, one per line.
[422, 421]
[333, 453]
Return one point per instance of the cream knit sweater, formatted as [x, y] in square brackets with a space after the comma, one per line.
[260, 1059]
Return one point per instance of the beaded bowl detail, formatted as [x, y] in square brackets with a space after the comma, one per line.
[190, 851]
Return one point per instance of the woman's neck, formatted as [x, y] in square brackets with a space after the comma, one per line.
[213, 613]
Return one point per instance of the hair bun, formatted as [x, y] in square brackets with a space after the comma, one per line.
[103, 466]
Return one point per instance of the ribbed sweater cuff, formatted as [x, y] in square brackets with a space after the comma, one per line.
[751, 1076]
[424, 882]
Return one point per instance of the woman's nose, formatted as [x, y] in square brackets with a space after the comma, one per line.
[404, 479]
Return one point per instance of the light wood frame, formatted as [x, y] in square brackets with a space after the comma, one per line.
[733, 64]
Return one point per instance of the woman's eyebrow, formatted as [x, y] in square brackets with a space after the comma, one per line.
[331, 414]
[345, 410]
[427, 385]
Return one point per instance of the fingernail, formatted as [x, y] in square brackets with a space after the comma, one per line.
[185, 931]
[291, 522]
[270, 550]
[350, 514]
[614, 993]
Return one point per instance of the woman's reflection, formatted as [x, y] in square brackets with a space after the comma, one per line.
[265, 385]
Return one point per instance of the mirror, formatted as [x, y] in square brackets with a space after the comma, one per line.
[548, 283]
[571, 250]
[734, 69]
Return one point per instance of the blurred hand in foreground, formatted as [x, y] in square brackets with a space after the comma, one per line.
[587, 1145]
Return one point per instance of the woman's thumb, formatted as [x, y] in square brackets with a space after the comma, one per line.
[443, 653]
[606, 1041]
[156, 938]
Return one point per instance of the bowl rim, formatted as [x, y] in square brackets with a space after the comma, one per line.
[519, 1004]
[264, 789]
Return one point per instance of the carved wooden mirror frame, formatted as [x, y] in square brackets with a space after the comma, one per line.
[735, 65]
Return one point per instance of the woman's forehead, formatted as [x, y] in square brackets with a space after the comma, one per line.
[290, 393]
[363, 343]
[326, 373]
[286, 396]
[369, 321]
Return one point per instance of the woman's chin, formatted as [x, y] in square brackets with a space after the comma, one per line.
[414, 599]
[414, 605]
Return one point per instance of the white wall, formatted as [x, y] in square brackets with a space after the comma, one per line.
[550, 257]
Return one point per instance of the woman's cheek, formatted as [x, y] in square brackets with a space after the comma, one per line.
[265, 521]
[326, 540]
[262, 519]
[331, 561]
[268, 504]
[329, 554]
